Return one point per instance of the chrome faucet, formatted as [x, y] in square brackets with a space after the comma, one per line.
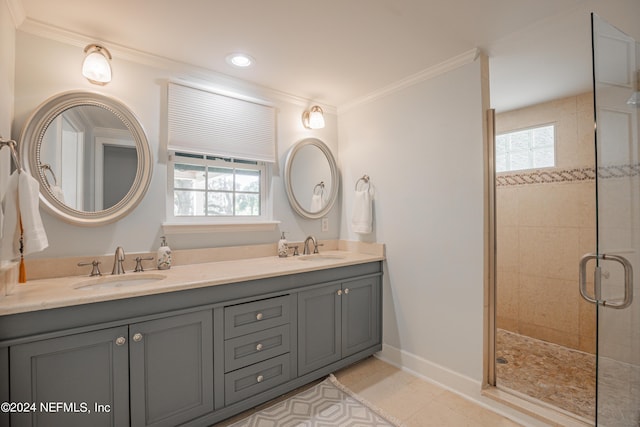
[306, 250]
[118, 259]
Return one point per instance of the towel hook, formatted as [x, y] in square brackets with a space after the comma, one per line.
[321, 186]
[47, 167]
[365, 179]
[14, 152]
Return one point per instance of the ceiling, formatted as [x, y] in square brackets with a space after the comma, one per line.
[337, 51]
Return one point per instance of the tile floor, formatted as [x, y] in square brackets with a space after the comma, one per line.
[411, 400]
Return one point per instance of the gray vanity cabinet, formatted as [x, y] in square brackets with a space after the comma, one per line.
[193, 357]
[361, 314]
[257, 346]
[336, 321]
[79, 370]
[159, 371]
[171, 369]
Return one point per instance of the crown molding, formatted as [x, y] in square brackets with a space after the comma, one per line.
[187, 72]
[16, 9]
[427, 74]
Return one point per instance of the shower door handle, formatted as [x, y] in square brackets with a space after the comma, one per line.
[596, 299]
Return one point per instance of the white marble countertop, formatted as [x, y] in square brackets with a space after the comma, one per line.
[45, 294]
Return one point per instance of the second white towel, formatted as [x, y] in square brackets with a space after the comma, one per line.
[316, 203]
[362, 215]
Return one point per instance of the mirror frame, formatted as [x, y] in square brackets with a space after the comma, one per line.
[335, 178]
[31, 139]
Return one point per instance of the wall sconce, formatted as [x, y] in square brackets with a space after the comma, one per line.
[314, 118]
[96, 67]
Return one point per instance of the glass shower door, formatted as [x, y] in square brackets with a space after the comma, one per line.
[615, 68]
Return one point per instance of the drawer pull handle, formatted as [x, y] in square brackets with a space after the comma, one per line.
[258, 347]
[137, 337]
[346, 291]
[339, 292]
[260, 378]
[259, 316]
[121, 341]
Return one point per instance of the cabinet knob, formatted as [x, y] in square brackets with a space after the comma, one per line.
[121, 341]
[259, 316]
[346, 291]
[339, 292]
[260, 378]
[137, 337]
[258, 347]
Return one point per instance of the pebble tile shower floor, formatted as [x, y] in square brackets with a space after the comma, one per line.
[548, 372]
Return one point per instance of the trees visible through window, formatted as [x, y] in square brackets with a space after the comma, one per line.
[205, 186]
[531, 148]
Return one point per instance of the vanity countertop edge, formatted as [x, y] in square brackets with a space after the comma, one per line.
[43, 294]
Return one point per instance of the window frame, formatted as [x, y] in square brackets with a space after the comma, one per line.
[531, 149]
[205, 223]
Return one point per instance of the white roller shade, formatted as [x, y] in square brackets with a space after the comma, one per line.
[205, 122]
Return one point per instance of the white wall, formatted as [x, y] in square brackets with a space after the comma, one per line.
[422, 146]
[141, 86]
[7, 61]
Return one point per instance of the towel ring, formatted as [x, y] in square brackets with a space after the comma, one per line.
[321, 187]
[14, 152]
[47, 167]
[365, 180]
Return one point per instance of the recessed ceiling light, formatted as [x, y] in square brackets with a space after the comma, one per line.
[240, 60]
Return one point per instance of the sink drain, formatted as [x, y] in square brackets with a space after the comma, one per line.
[501, 361]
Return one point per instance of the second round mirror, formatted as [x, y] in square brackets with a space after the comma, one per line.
[311, 178]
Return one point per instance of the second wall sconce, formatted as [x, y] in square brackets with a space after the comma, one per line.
[314, 118]
[96, 67]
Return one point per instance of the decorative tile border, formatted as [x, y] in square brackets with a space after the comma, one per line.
[623, 171]
[545, 176]
[548, 176]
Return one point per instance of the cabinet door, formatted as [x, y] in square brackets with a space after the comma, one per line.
[318, 328]
[171, 369]
[360, 315]
[70, 375]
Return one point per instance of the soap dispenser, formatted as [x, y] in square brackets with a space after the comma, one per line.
[283, 247]
[164, 255]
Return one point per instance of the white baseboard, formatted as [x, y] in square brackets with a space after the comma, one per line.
[462, 385]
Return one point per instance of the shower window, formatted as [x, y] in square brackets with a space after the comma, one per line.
[530, 148]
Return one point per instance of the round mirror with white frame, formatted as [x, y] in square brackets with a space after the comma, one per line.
[90, 155]
[311, 178]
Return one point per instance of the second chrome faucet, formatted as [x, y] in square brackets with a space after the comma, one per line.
[306, 250]
[118, 261]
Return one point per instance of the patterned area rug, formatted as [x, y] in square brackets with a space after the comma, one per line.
[327, 404]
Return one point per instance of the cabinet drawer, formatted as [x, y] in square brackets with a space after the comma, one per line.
[253, 348]
[255, 316]
[256, 378]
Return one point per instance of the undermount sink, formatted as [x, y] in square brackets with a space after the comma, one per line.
[119, 281]
[320, 257]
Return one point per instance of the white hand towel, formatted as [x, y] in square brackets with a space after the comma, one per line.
[57, 192]
[10, 243]
[33, 234]
[316, 203]
[362, 215]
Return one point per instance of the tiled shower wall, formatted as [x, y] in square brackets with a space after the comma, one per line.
[545, 223]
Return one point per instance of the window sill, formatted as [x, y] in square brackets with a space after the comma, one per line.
[190, 228]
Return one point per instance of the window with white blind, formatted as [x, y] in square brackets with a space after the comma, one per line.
[221, 148]
[530, 148]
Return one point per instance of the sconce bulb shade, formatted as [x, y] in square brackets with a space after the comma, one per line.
[314, 118]
[96, 67]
